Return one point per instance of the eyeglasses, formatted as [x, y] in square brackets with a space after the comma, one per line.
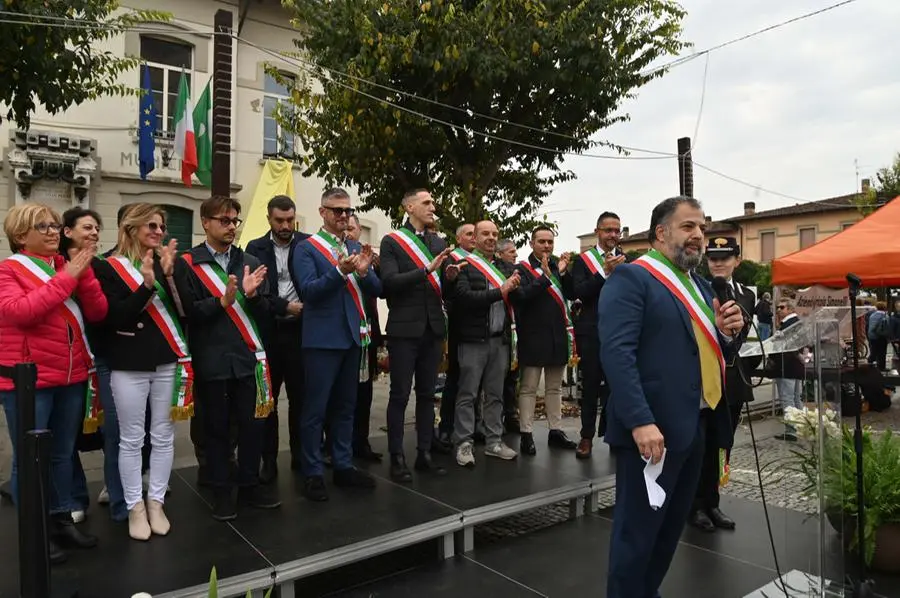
[611, 231]
[46, 228]
[342, 211]
[782, 307]
[227, 221]
[155, 226]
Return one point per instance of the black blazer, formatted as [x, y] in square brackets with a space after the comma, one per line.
[539, 321]
[740, 369]
[586, 288]
[133, 342]
[263, 250]
[218, 351]
[413, 305]
[474, 299]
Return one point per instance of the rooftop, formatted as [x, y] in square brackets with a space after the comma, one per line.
[832, 204]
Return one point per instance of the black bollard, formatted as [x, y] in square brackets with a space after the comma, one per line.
[34, 509]
[24, 377]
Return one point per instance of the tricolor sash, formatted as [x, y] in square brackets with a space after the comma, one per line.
[555, 290]
[214, 278]
[496, 279]
[683, 287]
[594, 261]
[459, 254]
[162, 312]
[39, 273]
[413, 246]
[327, 245]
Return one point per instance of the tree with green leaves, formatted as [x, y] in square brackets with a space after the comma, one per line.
[887, 180]
[50, 54]
[477, 100]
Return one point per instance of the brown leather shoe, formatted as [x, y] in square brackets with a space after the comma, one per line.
[584, 449]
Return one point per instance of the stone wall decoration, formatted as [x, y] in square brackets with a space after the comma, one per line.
[51, 167]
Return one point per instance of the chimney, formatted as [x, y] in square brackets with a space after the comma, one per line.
[749, 208]
[624, 231]
[866, 183]
[709, 219]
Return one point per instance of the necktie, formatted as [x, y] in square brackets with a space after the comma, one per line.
[710, 374]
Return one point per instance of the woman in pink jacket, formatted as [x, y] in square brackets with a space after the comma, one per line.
[40, 322]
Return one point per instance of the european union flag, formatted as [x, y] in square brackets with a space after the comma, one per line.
[146, 127]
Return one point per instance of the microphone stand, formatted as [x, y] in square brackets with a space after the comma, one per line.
[863, 587]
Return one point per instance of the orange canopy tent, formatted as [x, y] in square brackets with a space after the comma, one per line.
[870, 249]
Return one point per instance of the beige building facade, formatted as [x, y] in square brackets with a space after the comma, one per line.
[89, 155]
[770, 234]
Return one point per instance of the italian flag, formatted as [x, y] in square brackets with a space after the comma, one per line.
[185, 145]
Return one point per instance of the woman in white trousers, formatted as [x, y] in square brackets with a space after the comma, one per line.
[148, 360]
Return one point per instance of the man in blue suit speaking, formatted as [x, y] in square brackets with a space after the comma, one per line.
[663, 340]
[334, 275]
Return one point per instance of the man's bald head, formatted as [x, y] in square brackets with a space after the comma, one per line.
[486, 235]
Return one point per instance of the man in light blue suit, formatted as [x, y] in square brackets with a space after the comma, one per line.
[334, 276]
[664, 340]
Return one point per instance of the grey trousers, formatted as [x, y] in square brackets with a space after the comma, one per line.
[481, 365]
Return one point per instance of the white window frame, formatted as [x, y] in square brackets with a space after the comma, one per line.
[279, 131]
[167, 68]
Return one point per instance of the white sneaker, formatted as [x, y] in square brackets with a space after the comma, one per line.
[464, 455]
[103, 498]
[501, 451]
[78, 516]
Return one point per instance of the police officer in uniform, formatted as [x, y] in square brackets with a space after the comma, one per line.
[723, 256]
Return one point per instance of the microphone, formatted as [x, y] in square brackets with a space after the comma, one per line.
[723, 290]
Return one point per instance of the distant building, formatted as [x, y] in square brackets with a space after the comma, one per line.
[769, 234]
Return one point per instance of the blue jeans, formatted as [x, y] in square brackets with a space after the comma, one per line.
[59, 409]
[765, 331]
[110, 430]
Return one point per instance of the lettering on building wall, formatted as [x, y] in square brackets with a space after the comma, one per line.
[131, 159]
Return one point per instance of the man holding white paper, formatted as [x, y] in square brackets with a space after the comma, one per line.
[664, 340]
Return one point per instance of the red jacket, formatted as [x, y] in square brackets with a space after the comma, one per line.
[32, 327]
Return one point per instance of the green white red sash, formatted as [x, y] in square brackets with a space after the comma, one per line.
[39, 272]
[215, 280]
[459, 254]
[496, 279]
[683, 287]
[162, 312]
[556, 292]
[413, 246]
[594, 261]
[328, 246]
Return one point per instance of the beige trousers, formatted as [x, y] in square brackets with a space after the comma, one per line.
[531, 376]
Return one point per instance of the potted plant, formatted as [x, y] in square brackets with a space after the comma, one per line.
[214, 587]
[837, 464]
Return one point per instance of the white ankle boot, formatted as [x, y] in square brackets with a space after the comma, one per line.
[159, 523]
[138, 526]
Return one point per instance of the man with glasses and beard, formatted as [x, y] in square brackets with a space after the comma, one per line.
[224, 294]
[664, 339]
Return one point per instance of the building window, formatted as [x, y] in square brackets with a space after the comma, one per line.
[807, 237]
[167, 61]
[277, 143]
[365, 235]
[846, 225]
[767, 246]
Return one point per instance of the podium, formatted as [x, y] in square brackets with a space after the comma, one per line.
[804, 467]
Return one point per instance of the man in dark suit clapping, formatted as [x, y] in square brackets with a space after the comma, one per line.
[334, 276]
[411, 261]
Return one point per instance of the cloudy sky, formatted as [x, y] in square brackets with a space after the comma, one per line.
[789, 111]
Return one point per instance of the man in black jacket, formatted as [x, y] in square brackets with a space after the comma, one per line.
[411, 260]
[484, 324]
[223, 292]
[723, 256]
[546, 337]
[284, 328]
[589, 272]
